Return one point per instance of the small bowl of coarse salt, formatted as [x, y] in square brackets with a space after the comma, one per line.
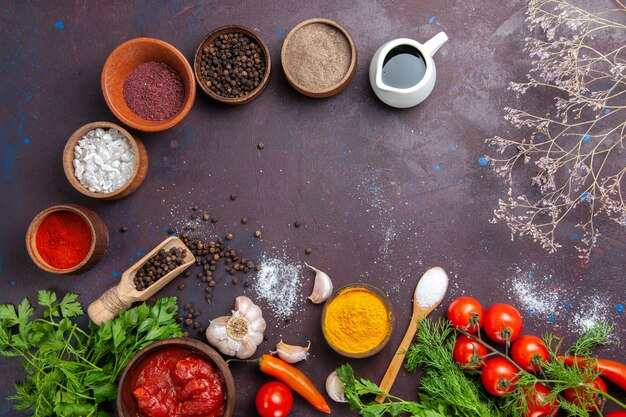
[103, 160]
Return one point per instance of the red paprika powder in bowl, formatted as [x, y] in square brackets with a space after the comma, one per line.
[66, 239]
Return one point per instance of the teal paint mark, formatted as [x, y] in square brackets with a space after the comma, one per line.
[116, 273]
[453, 148]
[26, 141]
[437, 168]
[59, 25]
[279, 32]
[619, 308]
[483, 161]
[432, 19]
[586, 138]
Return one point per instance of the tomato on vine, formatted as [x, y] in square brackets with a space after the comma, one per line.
[468, 353]
[538, 403]
[466, 313]
[274, 399]
[584, 397]
[503, 323]
[498, 376]
[529, 352]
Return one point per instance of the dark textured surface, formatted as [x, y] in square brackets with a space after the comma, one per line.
[383, 194]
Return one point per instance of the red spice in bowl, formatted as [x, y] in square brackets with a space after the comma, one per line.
[63, 239]
[154, 91]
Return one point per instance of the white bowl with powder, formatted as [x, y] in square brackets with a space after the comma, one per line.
[103, 160]
[319, 58]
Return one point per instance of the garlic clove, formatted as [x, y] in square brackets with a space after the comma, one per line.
[256, 338]
[243, 304]
[323, 287]
[334, 388]
[228, 346]
[246, 349]
[292, 353]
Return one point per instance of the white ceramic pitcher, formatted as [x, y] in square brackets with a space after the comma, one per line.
[410, 96]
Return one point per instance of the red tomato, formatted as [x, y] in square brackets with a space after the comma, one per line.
[274, 399]
[538, 404]
[616, 413]
[581, 396]
[503, 323]
[467, 313]
[528, 351]
[468, 353]
[499, 376]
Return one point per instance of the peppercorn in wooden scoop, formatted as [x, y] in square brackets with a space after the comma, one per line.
[142, 280]
[428, 294]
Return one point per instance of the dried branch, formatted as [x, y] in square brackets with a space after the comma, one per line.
[577, 152]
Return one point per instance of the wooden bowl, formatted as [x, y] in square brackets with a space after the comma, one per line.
[128, 56]
[390, 316]
[99, 239]
[124, 294]
[125, 401]
[139, 171]
[289, 67]
[197, 64]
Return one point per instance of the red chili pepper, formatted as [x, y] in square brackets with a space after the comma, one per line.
[295, 379]
[611, 370]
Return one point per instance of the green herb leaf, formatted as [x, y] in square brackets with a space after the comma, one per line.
[70, 307]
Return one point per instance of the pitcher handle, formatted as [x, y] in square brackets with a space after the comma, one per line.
[435, 43]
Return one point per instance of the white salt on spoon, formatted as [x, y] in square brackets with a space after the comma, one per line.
[429, 292]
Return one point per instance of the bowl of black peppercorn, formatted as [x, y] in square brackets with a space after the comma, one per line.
[232, 65]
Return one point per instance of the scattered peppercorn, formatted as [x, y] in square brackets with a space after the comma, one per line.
[261, 146]
[229, 236]
[297, 223]
[308, 251]
[205, 217]
[194, 208]
[181, 286]
[257, 234]
[213, 219]
[123, 229]
[233, 197]
[244, 220]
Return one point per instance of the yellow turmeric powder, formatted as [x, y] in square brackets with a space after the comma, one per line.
[356, 321]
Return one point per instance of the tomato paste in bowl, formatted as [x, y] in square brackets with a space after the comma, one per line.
[175, 380]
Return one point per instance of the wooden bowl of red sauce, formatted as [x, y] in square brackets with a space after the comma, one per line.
[179, 377]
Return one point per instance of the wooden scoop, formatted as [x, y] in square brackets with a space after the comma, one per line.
[124, 294]
[430, 294]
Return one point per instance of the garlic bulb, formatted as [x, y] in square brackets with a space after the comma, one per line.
[291, 353]
[238, 334]
[323, 287]
[334, 388]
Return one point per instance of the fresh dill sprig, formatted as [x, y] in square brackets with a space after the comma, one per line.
[597, 335]
[445, 383]
[355, 389]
